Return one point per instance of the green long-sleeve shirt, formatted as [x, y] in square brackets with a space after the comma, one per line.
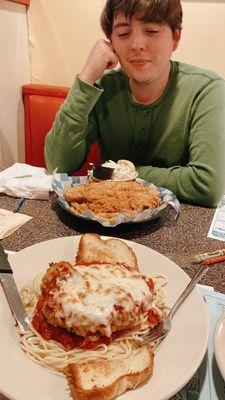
[178, 142]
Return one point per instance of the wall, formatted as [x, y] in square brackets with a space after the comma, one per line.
[203, 34]
[14, 73]
[62, 32]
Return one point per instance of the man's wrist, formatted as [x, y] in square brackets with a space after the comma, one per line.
[86, 78]
[84, 85]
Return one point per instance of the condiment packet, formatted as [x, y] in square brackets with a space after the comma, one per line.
[10, 222]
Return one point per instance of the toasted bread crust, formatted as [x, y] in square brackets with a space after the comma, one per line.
[92, 249]
[123, 383]
[107, 379]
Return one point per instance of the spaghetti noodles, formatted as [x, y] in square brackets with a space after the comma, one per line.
[52, 355]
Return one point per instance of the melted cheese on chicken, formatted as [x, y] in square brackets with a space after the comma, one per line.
[101, 298]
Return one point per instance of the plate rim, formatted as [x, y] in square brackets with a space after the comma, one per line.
[204, 347]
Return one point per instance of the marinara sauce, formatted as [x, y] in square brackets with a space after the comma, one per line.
[69, 339]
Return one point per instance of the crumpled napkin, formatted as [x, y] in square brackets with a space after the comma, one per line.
[25, 180]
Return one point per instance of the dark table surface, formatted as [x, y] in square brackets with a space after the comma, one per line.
[178, 239]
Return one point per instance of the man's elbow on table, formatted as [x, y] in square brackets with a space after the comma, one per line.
[204, 187]
[208, 192]
[50, 160]
[210, 199]
[61, 164]
[214, 187]
[66, 159]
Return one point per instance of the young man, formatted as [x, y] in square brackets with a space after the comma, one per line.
[167, 117]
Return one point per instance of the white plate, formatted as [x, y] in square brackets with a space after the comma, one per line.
[176, 360]
[219, 344]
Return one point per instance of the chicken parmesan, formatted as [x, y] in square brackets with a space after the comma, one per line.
[96, 300]
[93, 309]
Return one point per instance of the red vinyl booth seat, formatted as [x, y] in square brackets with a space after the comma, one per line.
[41, 102]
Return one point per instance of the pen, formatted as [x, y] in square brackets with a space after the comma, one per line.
[19, 204]
[213, 260]
[206, 256]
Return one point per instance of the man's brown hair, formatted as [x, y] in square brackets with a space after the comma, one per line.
[159, 11]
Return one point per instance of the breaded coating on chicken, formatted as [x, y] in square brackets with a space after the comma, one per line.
[95, 299]
[112, 197]
[60, 269]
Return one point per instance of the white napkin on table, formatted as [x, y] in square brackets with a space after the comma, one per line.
[10, 222]
[25, 180]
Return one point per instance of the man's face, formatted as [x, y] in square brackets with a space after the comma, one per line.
[144, 49]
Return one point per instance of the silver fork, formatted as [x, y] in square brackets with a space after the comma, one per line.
[162, 329]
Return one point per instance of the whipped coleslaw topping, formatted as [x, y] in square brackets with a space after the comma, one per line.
[123, 170]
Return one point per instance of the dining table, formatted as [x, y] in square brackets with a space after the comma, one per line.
[178, 238]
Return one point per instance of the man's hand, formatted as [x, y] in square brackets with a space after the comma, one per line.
[101, 57]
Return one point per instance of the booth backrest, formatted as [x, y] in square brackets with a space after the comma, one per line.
[41, 102]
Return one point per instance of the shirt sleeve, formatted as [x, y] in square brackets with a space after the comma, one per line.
[74, 129]
[202, 179]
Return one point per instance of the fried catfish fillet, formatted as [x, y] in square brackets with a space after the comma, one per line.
[112, 197]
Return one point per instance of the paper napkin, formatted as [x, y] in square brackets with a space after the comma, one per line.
[10, 222]
[26, 180]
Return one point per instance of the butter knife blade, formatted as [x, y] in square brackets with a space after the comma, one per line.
[12, 293]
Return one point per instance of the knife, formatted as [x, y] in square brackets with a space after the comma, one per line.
[12, 293]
